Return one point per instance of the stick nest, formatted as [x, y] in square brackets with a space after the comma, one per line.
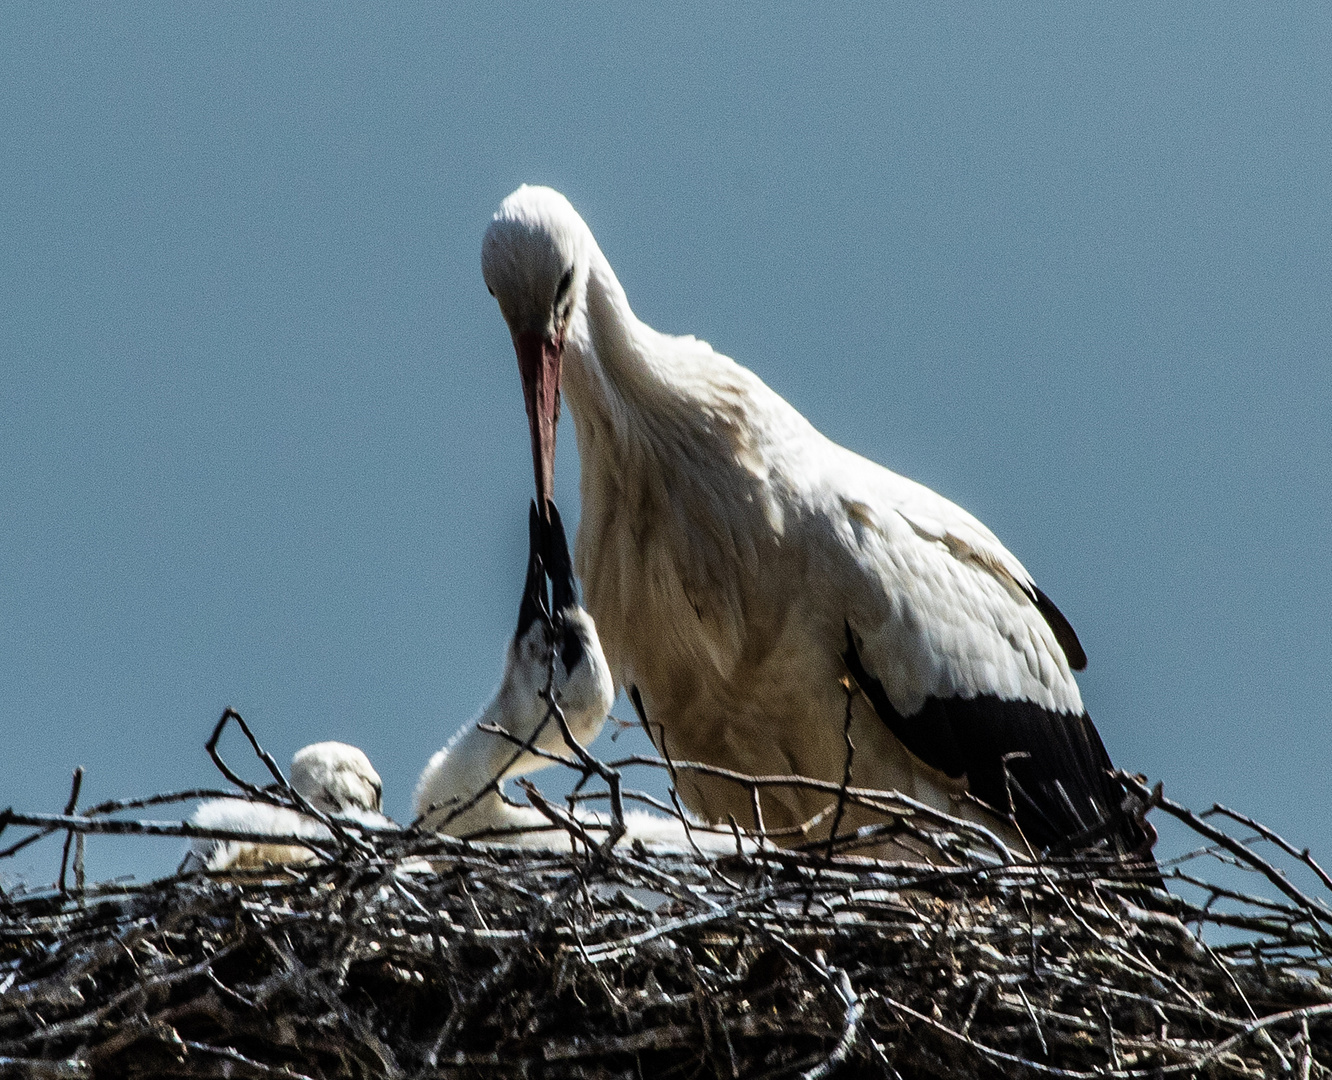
[405, 955]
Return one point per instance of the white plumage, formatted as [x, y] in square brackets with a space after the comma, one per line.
[332, 776]
[741, 567]
[461, 792]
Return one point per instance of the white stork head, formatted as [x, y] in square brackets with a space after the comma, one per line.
[336, 778]
[535, 259]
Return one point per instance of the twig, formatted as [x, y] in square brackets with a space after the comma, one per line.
[886, 802]
[986, 982]
[116, 827]
[610, 776]
[855, 1009]
[756, 807]
[684, 820]
[1303, 1015]
[840, 810]
[235, 1057]
[45, 1068]
[74, 786]
[116, 805]
[636, 699]
[574, 827]
[1315, 910]
[1290, 849]
[1040, 1034]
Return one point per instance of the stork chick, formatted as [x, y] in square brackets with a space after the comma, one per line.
[332, 776]
[461, 790]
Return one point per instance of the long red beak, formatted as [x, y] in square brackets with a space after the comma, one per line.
[539, 366]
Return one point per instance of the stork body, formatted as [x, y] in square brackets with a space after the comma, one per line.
[332, 776]
[742, 568]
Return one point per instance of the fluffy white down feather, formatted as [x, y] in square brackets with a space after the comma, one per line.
[334, 777]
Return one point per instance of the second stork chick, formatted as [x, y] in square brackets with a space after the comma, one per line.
[332, 776]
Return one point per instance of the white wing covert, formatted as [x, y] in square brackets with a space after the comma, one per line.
[961, 660]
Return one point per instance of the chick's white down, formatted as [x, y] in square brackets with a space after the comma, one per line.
[332, 776]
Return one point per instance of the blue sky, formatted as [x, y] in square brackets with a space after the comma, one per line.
[263, 440]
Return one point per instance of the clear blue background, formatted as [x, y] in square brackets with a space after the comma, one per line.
[263, 442]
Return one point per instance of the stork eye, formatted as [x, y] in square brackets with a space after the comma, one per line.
[563, 287]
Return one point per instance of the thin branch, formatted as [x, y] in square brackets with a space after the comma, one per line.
[855, 1009]
[885, 802]
[846, 772]
[840, 811]
[116, 827]
[609, 775]
[576, 829]
[75, 784]
[1262, 830]
[1315, 910]
[114, 806]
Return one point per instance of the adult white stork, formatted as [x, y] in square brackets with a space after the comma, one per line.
[741, 566]
[461, 790]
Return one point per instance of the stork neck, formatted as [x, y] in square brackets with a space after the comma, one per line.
[475, 758]
[612, 325]
[615, 368]
[472, 762]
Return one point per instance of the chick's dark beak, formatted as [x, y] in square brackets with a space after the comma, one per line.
[559, 567]
[534, 605]
[563, 588]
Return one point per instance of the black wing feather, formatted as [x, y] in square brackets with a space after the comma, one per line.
[1063, 629]
[1048, 769]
